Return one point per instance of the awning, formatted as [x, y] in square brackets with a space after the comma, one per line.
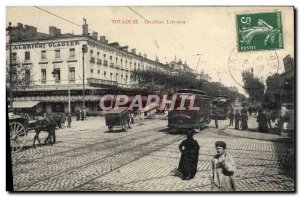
[24, 104]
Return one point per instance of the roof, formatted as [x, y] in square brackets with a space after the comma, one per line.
[24, 104]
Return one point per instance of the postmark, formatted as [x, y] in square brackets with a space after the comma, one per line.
[263, 63]
[259, 31]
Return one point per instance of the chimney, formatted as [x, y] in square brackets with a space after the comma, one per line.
[58, 32]
[95, 35]
[102, 39]
[145, 55]
[52, 31]
[20, 26]
[133, 51]
[85, 28]
[140, 54]
[106, 41]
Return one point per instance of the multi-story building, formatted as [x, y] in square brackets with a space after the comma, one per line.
[62, 62]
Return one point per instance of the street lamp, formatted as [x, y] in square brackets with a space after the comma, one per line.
[9, 29]
[84, 50]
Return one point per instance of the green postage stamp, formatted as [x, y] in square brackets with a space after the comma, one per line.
[259, 31]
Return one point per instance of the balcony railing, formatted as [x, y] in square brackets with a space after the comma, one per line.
[97, 82]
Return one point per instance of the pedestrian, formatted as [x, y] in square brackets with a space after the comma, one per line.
[231, 117]
[262, 122]
[69, 120]
[244, 120]
[268, 116]
[214, 115]
[189, 149]
[129, 119]
[237, 117]
[283, 117]
[77, 114]
[82, 114]
[223, 168]
[142, 114]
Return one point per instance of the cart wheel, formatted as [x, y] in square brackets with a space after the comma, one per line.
[17, 136]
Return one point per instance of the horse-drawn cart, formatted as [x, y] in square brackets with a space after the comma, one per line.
[117, 118]
[19, 127]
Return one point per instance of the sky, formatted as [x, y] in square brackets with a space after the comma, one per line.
[207, 40]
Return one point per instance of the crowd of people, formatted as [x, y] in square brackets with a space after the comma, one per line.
[264, 118]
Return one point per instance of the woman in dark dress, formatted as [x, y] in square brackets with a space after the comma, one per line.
[189, 149]
[262, 122]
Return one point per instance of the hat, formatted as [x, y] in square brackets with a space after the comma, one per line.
[220, 144]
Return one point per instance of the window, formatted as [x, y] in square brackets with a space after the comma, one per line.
[27, 75]
[57, 75]
[14, 75]
[43, 55]
[91, 51]
[110, 57]
[111, 75]
[98, 54]
[72, 74]
[104, 55]
[104, 73]
[72, 52]
[44, 74]
[27, 55]
[57, 53]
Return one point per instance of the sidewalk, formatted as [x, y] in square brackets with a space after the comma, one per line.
[253, 133]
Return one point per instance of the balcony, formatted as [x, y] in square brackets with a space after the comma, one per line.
[123, 85]
[43, 81]
[101, 82]
[27, 62]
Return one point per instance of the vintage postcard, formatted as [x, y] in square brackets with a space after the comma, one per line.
[150, 99]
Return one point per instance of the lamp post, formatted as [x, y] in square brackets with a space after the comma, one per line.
[69, 91]
[9, 29]
[84, 50]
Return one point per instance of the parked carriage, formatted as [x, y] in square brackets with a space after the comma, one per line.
[117, 118]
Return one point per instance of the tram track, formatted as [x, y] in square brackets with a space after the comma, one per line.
[124, 143]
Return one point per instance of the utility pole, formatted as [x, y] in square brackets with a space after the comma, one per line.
[9, 29]
[84, 48]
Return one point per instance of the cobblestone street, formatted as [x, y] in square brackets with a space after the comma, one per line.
[87, 157]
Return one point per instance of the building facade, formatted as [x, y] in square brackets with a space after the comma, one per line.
[62, 62]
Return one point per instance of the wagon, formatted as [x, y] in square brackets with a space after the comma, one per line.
[117, 118]
[19, 127]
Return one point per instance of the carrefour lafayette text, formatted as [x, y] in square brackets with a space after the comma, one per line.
[137, 102]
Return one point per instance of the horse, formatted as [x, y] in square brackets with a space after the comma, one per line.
[48, 125]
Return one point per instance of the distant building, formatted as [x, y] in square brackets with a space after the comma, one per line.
[177, 66]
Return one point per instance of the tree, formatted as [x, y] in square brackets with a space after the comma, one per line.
[253, 86]
[21, 74]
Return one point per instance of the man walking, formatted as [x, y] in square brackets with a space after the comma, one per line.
[237, 117]
[231, 117]
[69, 120]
